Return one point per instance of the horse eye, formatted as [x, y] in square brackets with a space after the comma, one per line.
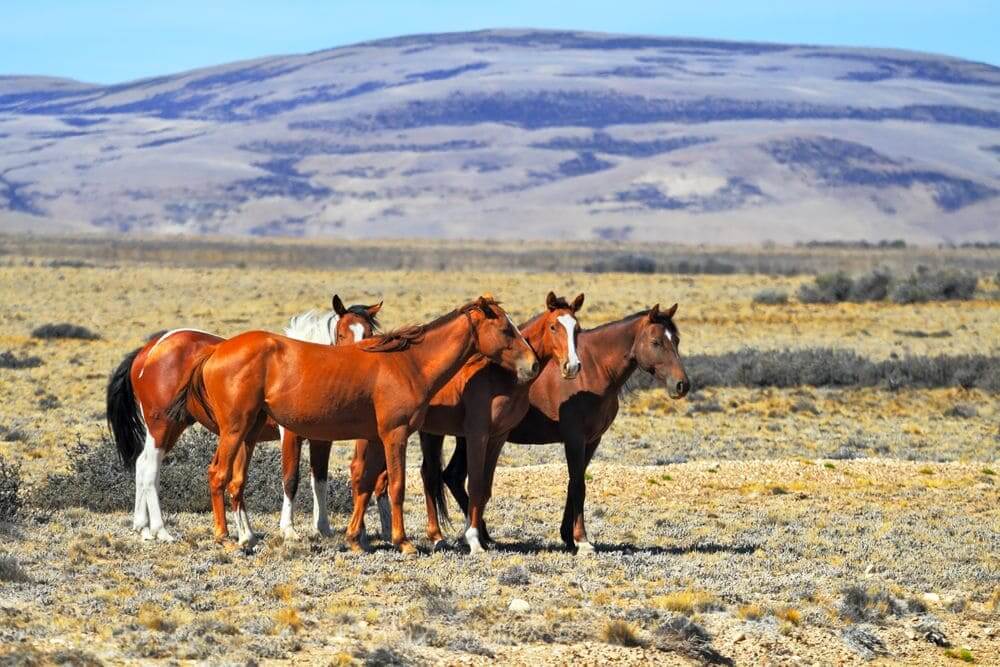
[552, 327]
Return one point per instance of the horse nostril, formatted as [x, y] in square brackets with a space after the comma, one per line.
[683, 386]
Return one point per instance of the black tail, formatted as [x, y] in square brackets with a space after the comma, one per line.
[178, 411]
[124, 418]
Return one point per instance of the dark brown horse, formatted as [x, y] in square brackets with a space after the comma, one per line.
[376, 390]
[141, 388]
[482, 402]
[578, 412]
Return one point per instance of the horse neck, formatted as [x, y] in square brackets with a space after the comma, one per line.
[534, 333]
[610, 347]
[443, 351]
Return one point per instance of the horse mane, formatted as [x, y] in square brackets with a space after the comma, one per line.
[314, 326]
[667, 322]
[405, 337]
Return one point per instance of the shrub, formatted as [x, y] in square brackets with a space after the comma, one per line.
[11, 571]
[828, 288]
[770, 297]
[629, 263]
[10, 491]
[64, 330]
[944, 285]
[9, 360]
[97, 481]
[515, 575]
[620, 633]
[827, 367]
[871, 287]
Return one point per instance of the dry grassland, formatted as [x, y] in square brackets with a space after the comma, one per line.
[804, 525]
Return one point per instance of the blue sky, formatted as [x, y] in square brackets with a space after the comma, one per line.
[108, 41]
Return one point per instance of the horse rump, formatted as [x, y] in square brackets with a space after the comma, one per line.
[123, 413]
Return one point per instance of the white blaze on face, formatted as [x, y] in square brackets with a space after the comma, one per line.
[569, 323]
[359, 332]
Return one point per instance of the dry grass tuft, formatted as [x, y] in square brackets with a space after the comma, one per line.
[751, 612]
[620, 633]
[789, 615]
[283, 592]
[154, 618]
[963, 654]
[687, 601]
[288, 618]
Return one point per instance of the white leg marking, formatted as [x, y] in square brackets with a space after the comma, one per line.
[140, 517]
[569, 323]
[245, 532]
[285, 524]
[321, 519]
[148, 480]
[472, 539]
[584, 548]
[359, 332]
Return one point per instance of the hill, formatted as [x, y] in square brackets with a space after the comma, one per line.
[518, 134]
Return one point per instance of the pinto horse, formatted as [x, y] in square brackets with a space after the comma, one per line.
[145, 382]
[376, 390]
[482, 402]
[577, 412]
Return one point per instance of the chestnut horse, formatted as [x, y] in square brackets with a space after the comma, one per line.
[376, 390]
[141, 388]
[578, 412]
[482, 402]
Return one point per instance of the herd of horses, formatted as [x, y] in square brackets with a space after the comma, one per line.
[472, 374]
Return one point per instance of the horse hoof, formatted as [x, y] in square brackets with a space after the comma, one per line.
[440, 545]
[408, 550]
[475, 548]
[324, 531]
[290, 534]
[147, 535]
[584, 549]
[163, 536]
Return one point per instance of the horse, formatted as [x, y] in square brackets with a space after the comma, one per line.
[378, 389]
[482, 402]
[578, 412]
[141, 388]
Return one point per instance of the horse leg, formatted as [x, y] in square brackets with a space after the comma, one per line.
[583, 545]
[376, 462]
[430, 473]
[220, 472]
[237, 488]
[394, 442]
[291, 453]
[364, 473]
[455, 473]
[476, 454]
[493, 456]
[319, 461]
[148, 514]
[575, 492]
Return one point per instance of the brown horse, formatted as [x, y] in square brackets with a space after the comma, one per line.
[141, 388]
[579, 411]
[375, 390]
[482, 402]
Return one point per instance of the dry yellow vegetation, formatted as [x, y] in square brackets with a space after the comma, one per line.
[745, 512]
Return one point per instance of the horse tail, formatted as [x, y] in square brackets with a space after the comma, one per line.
[193, 388]
[123, 412]
[431, 447]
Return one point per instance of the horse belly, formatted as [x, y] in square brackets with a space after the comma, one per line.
[535, 429]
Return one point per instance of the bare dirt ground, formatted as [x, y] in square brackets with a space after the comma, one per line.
[765, 526]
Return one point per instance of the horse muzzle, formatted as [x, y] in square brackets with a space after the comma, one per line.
[680, 389]
[527, 371]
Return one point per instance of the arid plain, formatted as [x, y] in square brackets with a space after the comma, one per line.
[766, 525]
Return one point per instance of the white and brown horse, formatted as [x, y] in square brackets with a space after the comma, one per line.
[142, 386]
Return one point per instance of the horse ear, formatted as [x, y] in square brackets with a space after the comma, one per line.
[373, 310]
[578, 302]
[338, 305]
[671, 310]
[550, 300]
[654, 312]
